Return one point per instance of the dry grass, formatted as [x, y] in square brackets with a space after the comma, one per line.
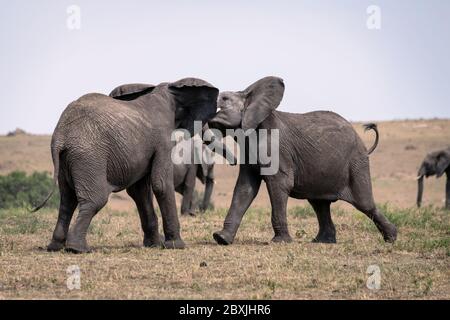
[416, 266]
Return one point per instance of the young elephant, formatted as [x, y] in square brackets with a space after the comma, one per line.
[103, 145]
[321, 159]
[435, 163]
[185, 175]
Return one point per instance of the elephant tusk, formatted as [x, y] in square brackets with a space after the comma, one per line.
[419, 177]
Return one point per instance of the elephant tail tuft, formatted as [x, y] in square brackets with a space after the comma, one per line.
[372, 126]
[56, 150]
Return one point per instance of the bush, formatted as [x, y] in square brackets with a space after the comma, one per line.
[19, 190]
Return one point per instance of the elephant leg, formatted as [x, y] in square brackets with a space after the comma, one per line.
[188, 192]
[141, 193]
[209, 185]
[447, 191]
[76, 238]
[165, 195]
[278, 199]
[327, 231]
[246, 189]
[68, 204]
[361, 197]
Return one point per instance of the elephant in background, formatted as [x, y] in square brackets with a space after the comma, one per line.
[103, 145]
[185, 174]
[435, 163]
[321, 159]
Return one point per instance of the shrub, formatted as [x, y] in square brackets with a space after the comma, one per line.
[19, 190]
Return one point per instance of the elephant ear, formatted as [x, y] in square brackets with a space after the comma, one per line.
[443, 161]
[197, 98]
[128, 92]
[261, 98]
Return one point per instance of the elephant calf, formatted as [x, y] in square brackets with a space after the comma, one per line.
[321, 159]
[185, 175]
[435, 163]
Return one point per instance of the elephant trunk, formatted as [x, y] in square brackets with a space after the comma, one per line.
[420, 176]
[209, 185]
[219, 147]
[419, 191]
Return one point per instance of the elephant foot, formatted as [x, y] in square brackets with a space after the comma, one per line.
[223, 238]
[286, 238]
[324, 238]
[154, 242]
[174, 244]
[55, 245]
[77, 247]
[390, 233]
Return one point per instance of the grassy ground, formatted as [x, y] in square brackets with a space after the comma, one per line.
[416, 266]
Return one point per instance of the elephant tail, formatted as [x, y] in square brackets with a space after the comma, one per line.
[372, 126]
[56, 150]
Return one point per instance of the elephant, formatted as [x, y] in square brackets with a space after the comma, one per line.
[321, 159]
[435, 163]
[184, 174]
[103, 145]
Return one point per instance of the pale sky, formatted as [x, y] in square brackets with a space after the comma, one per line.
[323, 50]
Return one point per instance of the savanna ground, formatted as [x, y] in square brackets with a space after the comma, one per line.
[416, 266]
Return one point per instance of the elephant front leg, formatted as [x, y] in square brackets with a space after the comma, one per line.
[164, 191]
[246, 189]
[188, 192]
[327, 230]
[278, 200]
[209, 185]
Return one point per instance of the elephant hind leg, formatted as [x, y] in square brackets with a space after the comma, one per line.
[362, 199]
[327, 231]
[141, 193]
[76, 237]
[67, 206]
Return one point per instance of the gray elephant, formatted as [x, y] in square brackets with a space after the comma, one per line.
[184, 174]
[103, 145]
[321, 159]
[435, 163]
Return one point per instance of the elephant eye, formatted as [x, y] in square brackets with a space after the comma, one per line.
[225, 98]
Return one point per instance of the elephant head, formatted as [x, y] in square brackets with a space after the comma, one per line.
[435, 163]
[247, 109]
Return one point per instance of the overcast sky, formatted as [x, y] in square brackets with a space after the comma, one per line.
[323, 50]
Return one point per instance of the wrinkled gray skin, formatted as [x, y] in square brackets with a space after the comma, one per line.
[435, 163]
[185, 174]
[103, 145]
[322, 159]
